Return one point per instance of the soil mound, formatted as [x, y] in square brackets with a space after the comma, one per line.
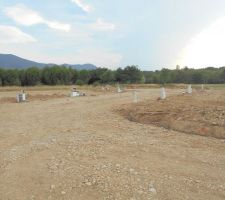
[200, 113]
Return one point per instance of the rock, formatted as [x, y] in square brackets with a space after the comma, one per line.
[104, 166]
[117, 165]
[140, 192]
[88, 183]
[52, 187]
[152, 190]
[32, 197]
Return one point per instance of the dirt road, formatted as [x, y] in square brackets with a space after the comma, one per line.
[80, 149]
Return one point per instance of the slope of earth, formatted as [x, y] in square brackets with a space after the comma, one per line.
[202, 113]
[79, 148]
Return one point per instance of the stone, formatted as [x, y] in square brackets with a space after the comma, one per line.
[88, 183]
[152, 190]
[52, 187]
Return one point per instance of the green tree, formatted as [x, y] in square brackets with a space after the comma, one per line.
[1, 76]
[31, 76]
[164, 76]
[131, 74]
[107, 77]
[74, 75]
[57, 75]
[84, 76]
[10, 77]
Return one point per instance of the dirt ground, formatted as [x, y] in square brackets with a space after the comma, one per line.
[201, 113]
[81, 149]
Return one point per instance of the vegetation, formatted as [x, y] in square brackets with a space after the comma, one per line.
[208, 75]
[61, 75]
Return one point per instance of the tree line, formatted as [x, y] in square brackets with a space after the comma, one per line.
[61, 75]
[209, 75]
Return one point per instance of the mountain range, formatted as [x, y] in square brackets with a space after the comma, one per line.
[10, 61]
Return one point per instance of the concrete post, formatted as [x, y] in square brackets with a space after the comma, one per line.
[135, 97]
[189, 89]
[162, 93]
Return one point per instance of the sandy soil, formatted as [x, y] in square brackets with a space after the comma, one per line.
[81, 149]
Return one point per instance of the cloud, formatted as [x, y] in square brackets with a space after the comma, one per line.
[11, 35]
[207, 47]
[102, 25]
[58, 26]
[28, 17]
[99, 57]
[85, 7]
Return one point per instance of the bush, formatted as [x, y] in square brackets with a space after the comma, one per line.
[96, 83]
[79, 82]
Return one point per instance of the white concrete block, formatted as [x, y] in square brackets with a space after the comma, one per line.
[119, 89]
[135, 97]
[21, 97]
[189, 89]
[75, 94]
[162, 93]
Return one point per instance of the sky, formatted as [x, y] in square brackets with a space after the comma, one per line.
[152, 34]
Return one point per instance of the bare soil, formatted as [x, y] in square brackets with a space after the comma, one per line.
[201, 113]
[81, 149]
[44, 93]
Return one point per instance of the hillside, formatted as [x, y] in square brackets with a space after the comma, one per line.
[12, 61]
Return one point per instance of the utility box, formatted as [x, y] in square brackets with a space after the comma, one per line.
[21, 97]
[75, 94]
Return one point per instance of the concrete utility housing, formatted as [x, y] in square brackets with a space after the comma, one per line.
[21, 97]
[76, 93]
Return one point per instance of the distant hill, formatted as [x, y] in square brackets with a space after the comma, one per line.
[10, 61]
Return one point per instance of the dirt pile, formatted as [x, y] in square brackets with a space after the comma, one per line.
[202, 113]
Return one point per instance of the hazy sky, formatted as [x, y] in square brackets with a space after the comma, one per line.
[114, 33]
